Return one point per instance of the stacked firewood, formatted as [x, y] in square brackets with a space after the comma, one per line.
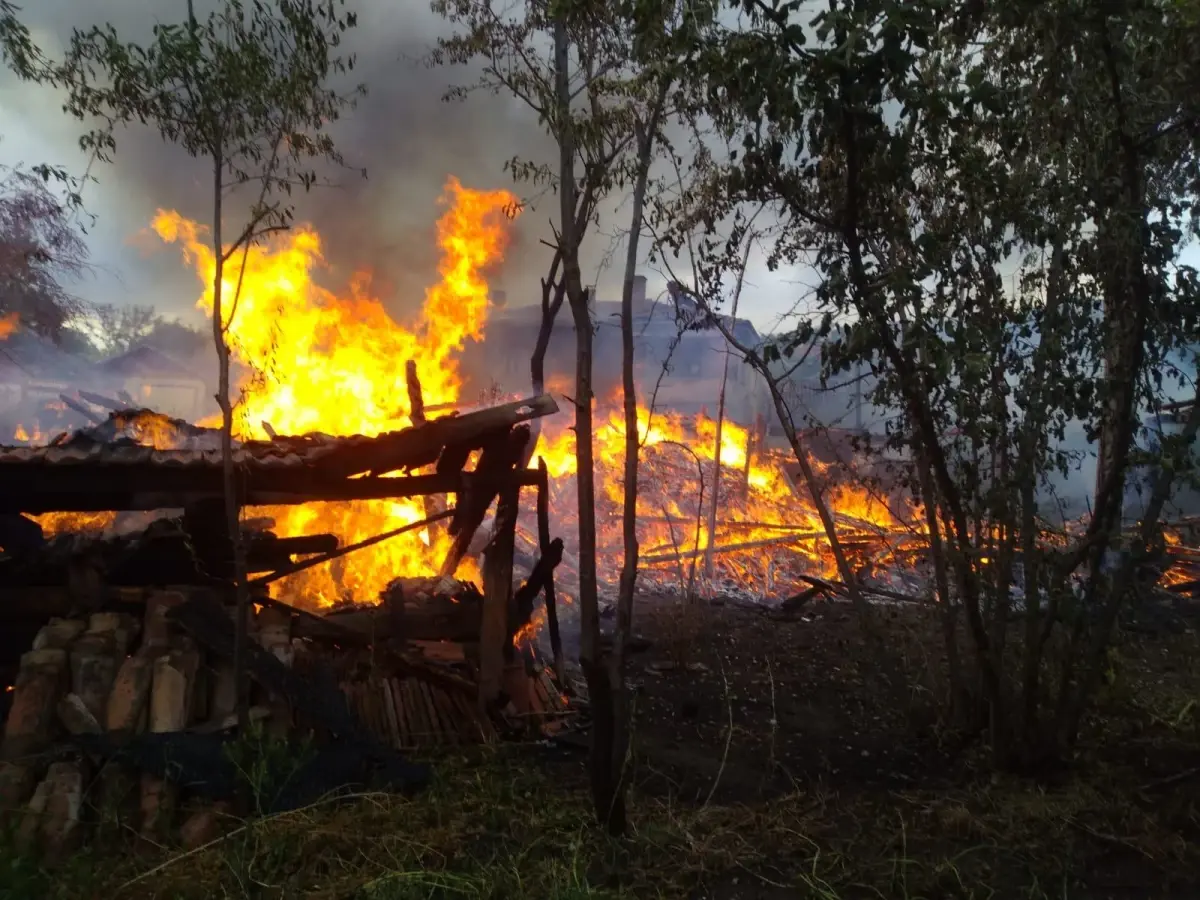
[112, 675]
[96, 696]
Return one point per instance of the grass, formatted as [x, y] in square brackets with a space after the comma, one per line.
[505, 826]
[506, 823]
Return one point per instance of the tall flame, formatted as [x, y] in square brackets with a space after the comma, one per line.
[336, 364]
[8, 324]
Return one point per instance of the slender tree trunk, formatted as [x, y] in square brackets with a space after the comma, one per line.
[229, 481]
[716, 491]
[629, 568]
[590, 651]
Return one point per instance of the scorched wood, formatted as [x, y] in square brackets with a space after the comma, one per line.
[415, 610]
[495, 636]
[540, 579]
[498, 460]
[544, 543]
[83, 473]
[69, 488]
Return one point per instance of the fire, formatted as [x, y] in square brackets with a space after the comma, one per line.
[323, 362]
[8, 325]
[74, 522]
[760, 511]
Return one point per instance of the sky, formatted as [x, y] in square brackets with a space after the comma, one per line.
[409, 140]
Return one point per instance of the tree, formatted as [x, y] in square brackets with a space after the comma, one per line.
[246, 90]
[916, 157]
[118, 329]
[586, 73]
[176, 339]
[41, 250]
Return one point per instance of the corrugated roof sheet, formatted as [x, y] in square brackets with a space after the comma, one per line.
[260, 454]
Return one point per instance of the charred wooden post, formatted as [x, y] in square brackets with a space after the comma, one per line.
[497, 463]
[495, 638]
[543, 521]
[416, 413]
[541, 578]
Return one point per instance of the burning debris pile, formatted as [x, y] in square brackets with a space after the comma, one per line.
[766, 541]
[138, 661]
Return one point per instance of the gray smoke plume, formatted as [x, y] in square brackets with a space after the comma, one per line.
[402, 133]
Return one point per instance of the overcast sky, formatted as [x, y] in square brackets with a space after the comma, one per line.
[407, 138]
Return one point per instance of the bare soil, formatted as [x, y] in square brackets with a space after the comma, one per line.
[860, 790]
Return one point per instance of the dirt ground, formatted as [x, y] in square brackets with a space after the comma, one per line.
[772, 759]
[860, 789]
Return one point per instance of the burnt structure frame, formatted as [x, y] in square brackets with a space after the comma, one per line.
[293, 471]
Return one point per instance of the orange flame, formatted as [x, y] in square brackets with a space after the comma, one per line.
[336, 364]
[759, 509]
[8, 324]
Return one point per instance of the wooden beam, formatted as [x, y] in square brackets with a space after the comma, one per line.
[87, 479]
[543, 522]
[498, 459]
[495, 639]
[65, 489]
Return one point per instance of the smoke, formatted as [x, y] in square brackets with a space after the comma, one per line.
[402, 133]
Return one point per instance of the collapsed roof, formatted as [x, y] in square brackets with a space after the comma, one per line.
[141, 460]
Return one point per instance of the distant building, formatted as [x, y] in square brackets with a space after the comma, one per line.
[154, 380]
[34, 371]
[673, 348]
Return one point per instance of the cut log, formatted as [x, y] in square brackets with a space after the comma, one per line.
[128, 701]
[61, 831]
[126, 714]
[76, 717]
[59, 634]
[171, 701]
[156, 633]
[204, 825]
[17, 783]
[41, 680]
[172, 688]
[95, 659]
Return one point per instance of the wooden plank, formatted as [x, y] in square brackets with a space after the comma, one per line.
[479, 725]
[88, 488]
[402, 723]
[461, 726]
[495, 638]
[435, 723]
[497, 463]
[389, 708]
[554, 693]
[416, 708]
[551, 600]
[449, 652]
